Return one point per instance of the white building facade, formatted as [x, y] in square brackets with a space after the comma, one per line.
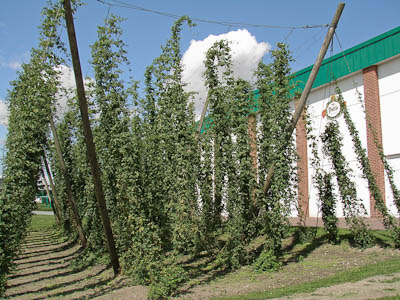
[368, 76]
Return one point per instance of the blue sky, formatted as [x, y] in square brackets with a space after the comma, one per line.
[145, 32]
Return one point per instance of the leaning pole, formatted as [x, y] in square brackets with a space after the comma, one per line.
[306, 91]
[90, 146]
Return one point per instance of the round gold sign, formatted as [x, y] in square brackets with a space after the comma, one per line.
[333, 109]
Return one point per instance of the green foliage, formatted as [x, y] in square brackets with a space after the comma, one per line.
[305, 234]
[29, 101]
[112, 134]
[322, 180]
[275, 147]
[267, 262]
[219, 81]
[168, 190]
[388, 220]
[353, 209]
[29, 107]
[166, 282]
[328, 206]
[169, 148]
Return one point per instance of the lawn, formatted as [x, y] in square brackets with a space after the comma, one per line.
[306, 266]
[43, 207]
[42, 223]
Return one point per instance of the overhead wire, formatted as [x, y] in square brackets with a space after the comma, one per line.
[123, 4]
[304, 47]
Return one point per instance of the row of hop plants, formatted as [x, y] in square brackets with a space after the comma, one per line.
[29, 102]
[353, 209]
[169, 190]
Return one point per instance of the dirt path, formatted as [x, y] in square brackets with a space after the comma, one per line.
[375, 287]
[322, 261]
[44, 272]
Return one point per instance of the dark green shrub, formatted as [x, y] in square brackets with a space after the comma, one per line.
[267, 262]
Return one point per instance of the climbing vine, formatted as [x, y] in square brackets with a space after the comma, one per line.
[322, 181]
[273, 83]
[30, 100]
[388, 169]
[388, 220]
[353, 209]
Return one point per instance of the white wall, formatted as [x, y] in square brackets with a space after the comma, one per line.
[389, 91]
[350, 87]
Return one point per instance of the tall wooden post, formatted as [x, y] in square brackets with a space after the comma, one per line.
[307, 88]
[68, 184]
[52, 203]
[252, 130]
[91, 149]
[52, 185]
[203, 114]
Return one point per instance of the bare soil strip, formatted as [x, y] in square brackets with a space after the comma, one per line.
[44, 272]
[375, 287]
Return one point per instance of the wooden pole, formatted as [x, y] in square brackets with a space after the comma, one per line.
[307, 88]
[203, 114]
[52, 185]
[91, 149]
[68, 184]
[46, 186]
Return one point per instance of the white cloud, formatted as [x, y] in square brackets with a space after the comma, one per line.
[4, 113]
[14, 65]
[67, 80]
[246, 54]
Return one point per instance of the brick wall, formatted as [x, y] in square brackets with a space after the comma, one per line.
[373, 119]
[302, 165]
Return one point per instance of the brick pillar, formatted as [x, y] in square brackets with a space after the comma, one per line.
[253, 140]
[252, 130]
[302, 164]
[373, 118]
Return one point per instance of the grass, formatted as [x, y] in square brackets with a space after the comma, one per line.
[356, 274]
[43, 207]
[390, 266]
[391, 280]
[42, 223]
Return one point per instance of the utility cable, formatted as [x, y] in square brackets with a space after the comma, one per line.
[122, 4]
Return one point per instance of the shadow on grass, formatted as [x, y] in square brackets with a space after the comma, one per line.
[96, 284]
[78, 250]
[384, 238]
[48, 269]
[44, 263]
[41, 237]
[105, 286]
[202, 269]
[54, 276]
[305, 251]
[37, 245]
[38, 253]
[61, 284]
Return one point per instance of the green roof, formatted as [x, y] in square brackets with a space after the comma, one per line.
[366, 54]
